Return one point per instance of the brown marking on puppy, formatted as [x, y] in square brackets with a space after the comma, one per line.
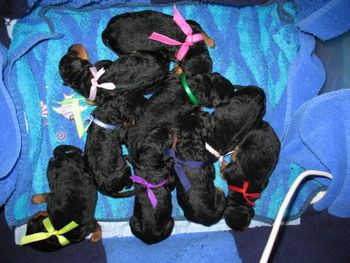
[91, 103]
[39, 198]
[41, 214]
[97, 234]
[235, 153]
[210, 42]
[178, 69]
[174, 139]
[80, 49]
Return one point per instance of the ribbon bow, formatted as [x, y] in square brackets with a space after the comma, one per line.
[95, 85]
[50, 232]
[151, 196]
[178, 165]
[243, 190]
[186, 28]
[217, 154]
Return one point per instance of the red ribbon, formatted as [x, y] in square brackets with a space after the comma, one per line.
[243, 191]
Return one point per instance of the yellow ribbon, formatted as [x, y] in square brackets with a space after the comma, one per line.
[50, 232]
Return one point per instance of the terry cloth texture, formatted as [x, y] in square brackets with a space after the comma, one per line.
[320, 140]
[254, 47]
[10, 142]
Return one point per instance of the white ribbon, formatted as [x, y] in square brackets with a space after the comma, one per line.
[216, 153]
[95, 84]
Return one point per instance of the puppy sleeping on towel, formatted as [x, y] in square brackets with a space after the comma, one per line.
[137, 72]
[152, 221]
[197, 195]
[71, 204]
[179, 40]
[247, 175]
[105, 136]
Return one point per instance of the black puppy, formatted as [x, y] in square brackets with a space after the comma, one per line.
[172, 102]
[253, 161]
[72, 197]
[230, 122]
[137, 72]
[103, 150]
[130, 32]
[197, 195]
[152, 221]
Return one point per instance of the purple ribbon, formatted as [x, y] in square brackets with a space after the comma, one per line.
[151, 196]
[178, 165]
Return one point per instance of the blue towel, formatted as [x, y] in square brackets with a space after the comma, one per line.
[330, 21]
[10, 143]
[182, 248]
[320, 140]
[254, 47]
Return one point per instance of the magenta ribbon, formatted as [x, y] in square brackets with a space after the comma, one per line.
[151, 196]
[186, 28]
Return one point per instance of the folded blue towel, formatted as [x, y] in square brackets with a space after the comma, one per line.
[10, 143]
[320, 140]
[330, 21]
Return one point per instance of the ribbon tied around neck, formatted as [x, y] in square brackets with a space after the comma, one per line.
[178, 166]
[50, 232]
[151, 196]
[243, 191]
[186, 28]
[94, 83]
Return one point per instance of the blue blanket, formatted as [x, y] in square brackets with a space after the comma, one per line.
[254, 47]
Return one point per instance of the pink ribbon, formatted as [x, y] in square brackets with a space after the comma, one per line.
[186, 28]
[94, 83]
[151, 196]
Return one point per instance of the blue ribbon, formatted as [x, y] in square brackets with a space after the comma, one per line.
[102, 124]
[178, 165]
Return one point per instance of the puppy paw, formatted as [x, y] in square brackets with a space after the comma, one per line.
[39, 199]
[97, 235]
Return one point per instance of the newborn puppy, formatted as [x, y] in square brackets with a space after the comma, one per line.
[72, 197]
[152, 221]
[230, 122]
[253, 161]
[171, 102]
[137, 72]
[103, 150]
[200, 200]
[130, 32]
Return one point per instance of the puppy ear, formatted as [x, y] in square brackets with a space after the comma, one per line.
[62, 150]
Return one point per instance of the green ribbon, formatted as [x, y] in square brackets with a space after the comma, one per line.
[189, 93]
[50, 232]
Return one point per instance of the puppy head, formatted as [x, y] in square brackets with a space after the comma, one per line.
[35, 225]
[238, 217]
[71, 64]
[151, 233]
